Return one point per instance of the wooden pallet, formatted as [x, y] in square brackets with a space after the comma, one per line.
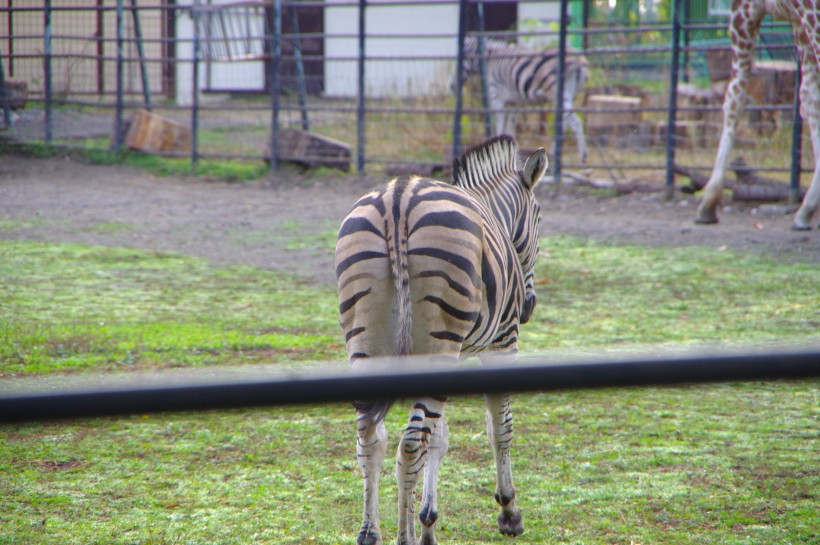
[312, 150]
[153, 133]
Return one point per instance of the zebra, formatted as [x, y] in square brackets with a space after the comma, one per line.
[430, 268]
[518, 75]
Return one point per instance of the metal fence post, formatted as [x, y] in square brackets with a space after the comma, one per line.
[117, 143]
[5, 97]
[275, 83]
[797, 140]
[47, 70]
[462, 27]
[673, 98]
[300, 65]
[559, 100]
[195, 14]
[482, 66]
[146, 84]
[360, 91]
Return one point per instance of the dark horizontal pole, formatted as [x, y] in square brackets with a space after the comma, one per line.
[96, 401]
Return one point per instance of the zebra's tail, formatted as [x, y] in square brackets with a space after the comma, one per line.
[401, 276]
[396, 232]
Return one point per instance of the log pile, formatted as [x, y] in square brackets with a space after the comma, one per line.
[748, 185]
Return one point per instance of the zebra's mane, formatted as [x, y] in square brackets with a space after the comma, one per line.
[483, 165]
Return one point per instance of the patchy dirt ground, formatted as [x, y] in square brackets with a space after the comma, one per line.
[276, 223]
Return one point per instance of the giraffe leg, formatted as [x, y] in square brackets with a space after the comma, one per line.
[428, 515]
[744, 32]
[500, 434]
[411, 459]
[370, 449]
[809, 45]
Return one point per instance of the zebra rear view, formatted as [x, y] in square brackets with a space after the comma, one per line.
[445, 270]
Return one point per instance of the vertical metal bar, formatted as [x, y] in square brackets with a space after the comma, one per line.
[196, 15]
[462, 29]
[146, 85]
[361, 91]
[276, 54]
[585, 22]
[559, 101]
[10, 40]
[673, 98]
[5, 96]
[98, 36]
[687, 17]
[482, 67]
[118, 123]
[220, 15]
[47, 70]
[797, 139]
[300, 65]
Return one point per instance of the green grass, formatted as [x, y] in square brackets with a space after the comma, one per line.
[97, 151]
[593, 294]
[714, 464]
[67, 308]
[725, 464]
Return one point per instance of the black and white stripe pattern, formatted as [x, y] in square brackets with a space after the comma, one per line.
[518, 75]
[446, 270]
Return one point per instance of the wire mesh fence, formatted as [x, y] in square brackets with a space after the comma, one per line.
[379, 94]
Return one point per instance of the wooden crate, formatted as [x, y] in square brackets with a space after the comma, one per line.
[772, 82]
[153, 133]
[17, 93]
[602, 108]
[311, 149]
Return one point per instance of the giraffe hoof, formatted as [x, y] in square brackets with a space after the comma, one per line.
[706, 217]
[511, 523]
[367, 537]
[800, 227]
[428, 517]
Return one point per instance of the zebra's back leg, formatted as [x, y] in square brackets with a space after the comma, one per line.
[500, 434]
[428, 515]
[411, 460]
[371, 446]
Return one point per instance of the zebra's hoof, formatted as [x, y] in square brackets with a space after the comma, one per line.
[800, 227]
[511, 523]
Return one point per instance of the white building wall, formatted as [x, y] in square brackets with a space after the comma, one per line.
[413, 63]
[411, 50]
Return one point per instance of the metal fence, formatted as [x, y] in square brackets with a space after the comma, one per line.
[92, 398]
[238, 74]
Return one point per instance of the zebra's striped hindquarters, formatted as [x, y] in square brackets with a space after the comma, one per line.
[409, 260]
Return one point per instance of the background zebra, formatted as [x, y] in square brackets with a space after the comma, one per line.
[426, 267]
[518, 75]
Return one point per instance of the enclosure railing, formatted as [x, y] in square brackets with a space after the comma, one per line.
[255, 30]
[94, 398]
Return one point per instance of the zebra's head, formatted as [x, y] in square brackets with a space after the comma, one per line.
[471, 63]
[525, 237]
[490, 171]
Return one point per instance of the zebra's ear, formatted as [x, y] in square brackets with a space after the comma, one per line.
[535, 167]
